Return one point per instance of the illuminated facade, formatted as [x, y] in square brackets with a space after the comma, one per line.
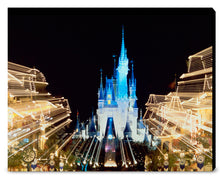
[33, 114]
[184, 117]
[117, 100]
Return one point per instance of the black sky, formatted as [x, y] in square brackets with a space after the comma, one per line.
[70, 46]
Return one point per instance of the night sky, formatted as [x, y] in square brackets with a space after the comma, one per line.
[69, 46]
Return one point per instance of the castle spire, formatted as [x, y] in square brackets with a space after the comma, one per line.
[132, 87]
[114, 70]
[123, 50]
[109, 92]
[123, 43]
[122, 72]
[140, 123]
[101, 96]
[101, 85]
[132, 73]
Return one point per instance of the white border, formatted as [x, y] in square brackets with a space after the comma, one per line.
[4, 4]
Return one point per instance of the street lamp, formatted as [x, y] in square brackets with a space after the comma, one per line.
[52, 162]
[51, 156]
[166, 156]
[182, 154]
[166, 162]
[182, 160]
[61, 164]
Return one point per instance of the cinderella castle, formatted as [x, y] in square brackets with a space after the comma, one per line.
[117, 113]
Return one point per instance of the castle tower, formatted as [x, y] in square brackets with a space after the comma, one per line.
[101, 92]
[132, 89]
[109, 95]
[122, 72]
[114, 103]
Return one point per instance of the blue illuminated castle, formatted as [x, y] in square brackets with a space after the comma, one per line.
[117, 102]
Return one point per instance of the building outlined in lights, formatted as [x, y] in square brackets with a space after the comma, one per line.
[34, 115]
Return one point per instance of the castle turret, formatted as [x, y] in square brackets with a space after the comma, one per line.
[114, 77]
[141, 130]
[92, 129]
[122, 72]
[140, 123]
[109, 97]
[101, 93]
[132, 89]
[83, 130]
[114, 69]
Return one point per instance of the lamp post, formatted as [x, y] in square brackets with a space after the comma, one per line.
[166, 162]
[61, 164]
[52, 162]
[182, 161]
[159, 165]
[200, 162]
[51, 156]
